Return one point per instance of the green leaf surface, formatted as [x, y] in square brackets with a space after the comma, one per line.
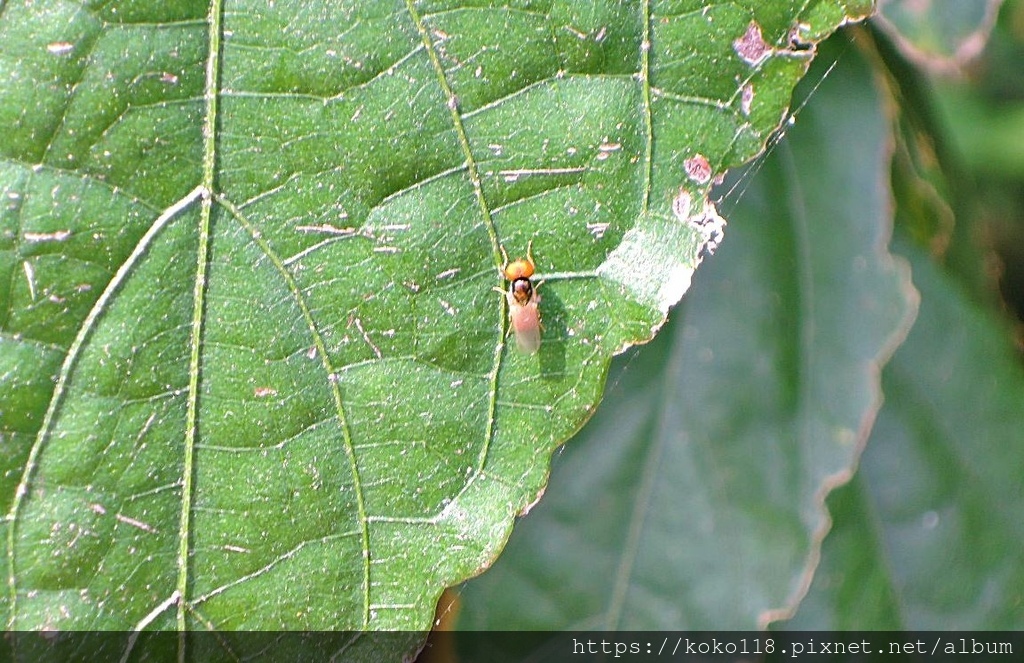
[254, 372]
[929, 536]
[695, 497]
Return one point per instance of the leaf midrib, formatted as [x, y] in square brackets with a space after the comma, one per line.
[198, 303]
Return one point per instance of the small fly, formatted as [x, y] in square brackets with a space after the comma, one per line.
[523, 300]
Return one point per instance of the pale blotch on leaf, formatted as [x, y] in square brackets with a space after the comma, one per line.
[60, 47]
[698, 168]
[751, 47]
[681, 205]
[746, 98]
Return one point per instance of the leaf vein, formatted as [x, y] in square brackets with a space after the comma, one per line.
[70, 360]
[321, 347]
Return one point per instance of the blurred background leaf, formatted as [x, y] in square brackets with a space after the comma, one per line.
[941, 35]
[928, 534]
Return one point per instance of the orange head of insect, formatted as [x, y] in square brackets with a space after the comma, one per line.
[519, 273]
[522, 268]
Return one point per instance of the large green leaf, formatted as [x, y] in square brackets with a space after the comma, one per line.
[254, 373]
[695, 497]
